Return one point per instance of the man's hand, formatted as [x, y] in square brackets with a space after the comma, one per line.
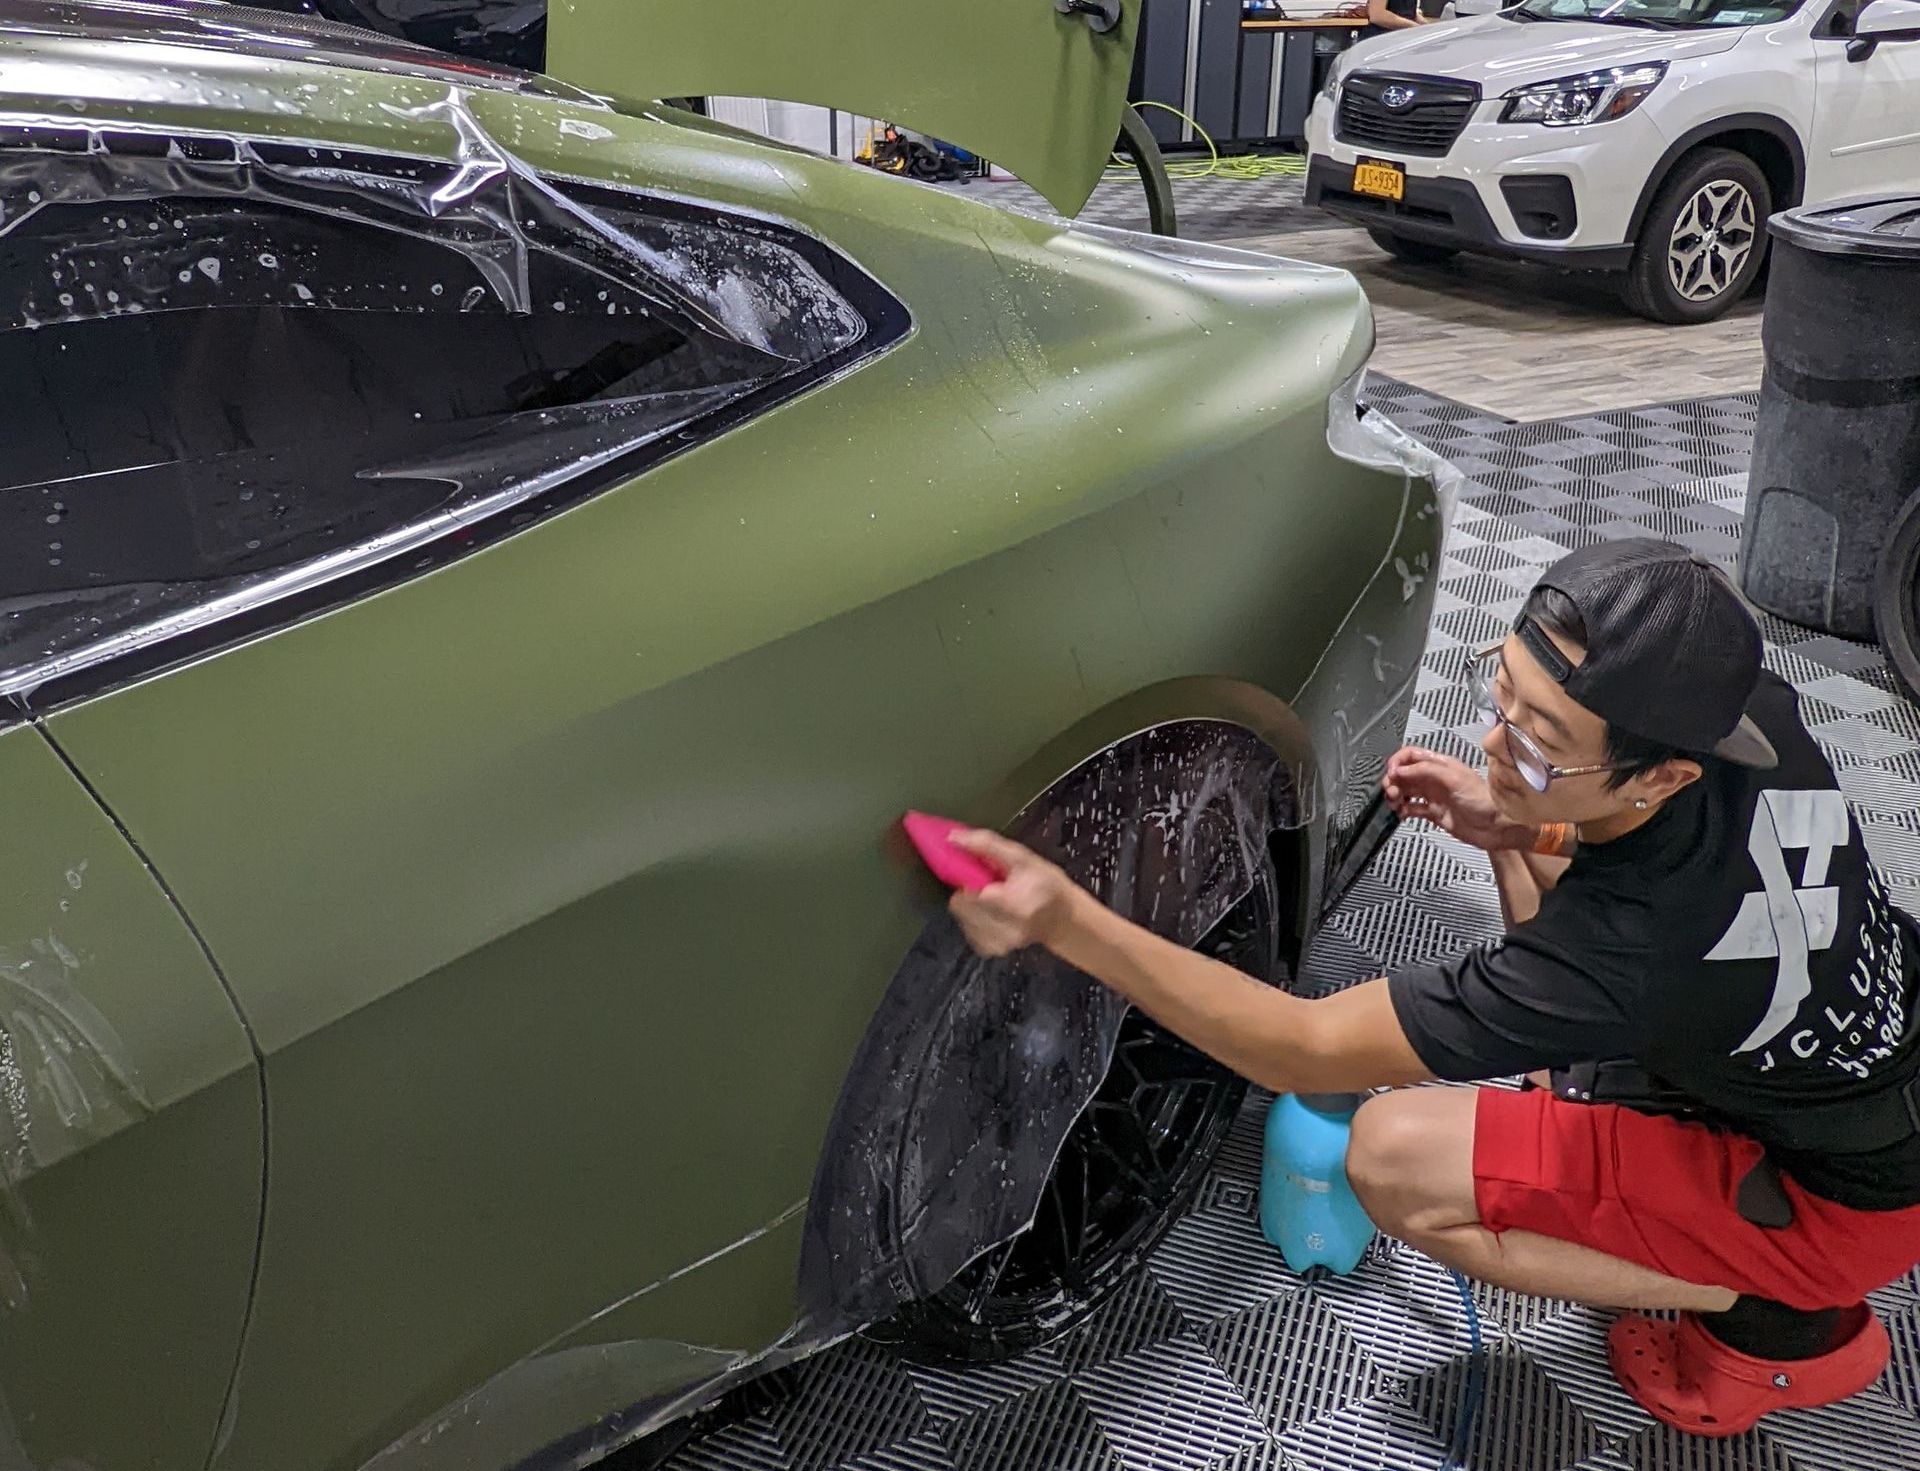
[1453, 797]
[1032, 905]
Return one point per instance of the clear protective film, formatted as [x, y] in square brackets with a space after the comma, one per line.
[294, 310]
[975, 1069]
[954, 1110]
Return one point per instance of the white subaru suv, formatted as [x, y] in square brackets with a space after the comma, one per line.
[1647, 137]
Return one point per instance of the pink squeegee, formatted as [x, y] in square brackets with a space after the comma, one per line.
[953, 866]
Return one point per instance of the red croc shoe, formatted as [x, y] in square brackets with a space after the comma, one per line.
[1685, 1377]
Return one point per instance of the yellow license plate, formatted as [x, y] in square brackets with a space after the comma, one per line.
[1381, 180]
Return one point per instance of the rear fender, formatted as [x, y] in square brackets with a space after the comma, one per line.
[973, 1071]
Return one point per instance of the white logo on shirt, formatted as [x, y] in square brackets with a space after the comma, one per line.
[1781, 921]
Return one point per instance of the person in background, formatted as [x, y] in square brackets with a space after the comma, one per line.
[1393, 15]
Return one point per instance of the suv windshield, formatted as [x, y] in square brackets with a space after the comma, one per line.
[1660, 14]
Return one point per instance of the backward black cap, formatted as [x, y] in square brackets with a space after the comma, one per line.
[1672, 652]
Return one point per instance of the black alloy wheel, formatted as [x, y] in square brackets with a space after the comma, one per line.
[1128, 1169]
[1896, 597]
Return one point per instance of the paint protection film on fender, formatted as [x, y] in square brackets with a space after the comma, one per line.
[975, 1071]
[955, 1110]
[243, 372]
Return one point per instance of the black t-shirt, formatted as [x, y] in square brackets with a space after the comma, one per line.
[1739, 948]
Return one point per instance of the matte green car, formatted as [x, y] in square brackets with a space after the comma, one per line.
[482, 571]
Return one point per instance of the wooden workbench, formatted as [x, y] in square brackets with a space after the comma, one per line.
[1309, 23]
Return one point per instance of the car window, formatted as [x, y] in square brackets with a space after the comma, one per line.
[246, 382]
[510, 32]
[1660, 14]
[1840, 18]
[344, 33]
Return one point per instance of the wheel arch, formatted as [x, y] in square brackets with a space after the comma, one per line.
[1770, 141]
[971, 1072]
[1189, 701]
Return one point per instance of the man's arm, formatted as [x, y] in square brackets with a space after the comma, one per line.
[1543, 998]
[1285, 1043]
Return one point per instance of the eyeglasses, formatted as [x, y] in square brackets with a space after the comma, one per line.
[1529, 759]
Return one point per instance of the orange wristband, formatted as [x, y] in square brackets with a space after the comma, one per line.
[1554, 839]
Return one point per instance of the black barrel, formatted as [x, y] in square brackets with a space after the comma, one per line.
[1837, 447]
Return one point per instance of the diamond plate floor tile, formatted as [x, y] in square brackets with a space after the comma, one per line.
[1571, 1350]
[1374, 1435]
[1902, 1382]
[1525, 1422]
[1216, 1264]
[924, 1452]
[1293, 1360]
[1607, 1460]
[1663, 1449]
[875, 1404]
[1399, 934]
[1170, 1408]
[1334, 961]
[1870, 1432]
[1865, 738]
[1266, 1455]
[1403, 1309]
[1051, 1428]
[752, 1445]
[957, 1393]
[1853, 695]
[1510, 1313]
[1140, 1314]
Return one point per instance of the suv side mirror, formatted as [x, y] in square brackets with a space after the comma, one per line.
[1883, 20]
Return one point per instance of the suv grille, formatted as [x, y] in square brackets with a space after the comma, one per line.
[1431, 113]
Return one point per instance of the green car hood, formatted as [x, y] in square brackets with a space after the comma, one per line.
[1038, 91]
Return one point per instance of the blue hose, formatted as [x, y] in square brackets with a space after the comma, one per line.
[1476, 1387]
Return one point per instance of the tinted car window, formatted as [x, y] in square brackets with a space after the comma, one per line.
[279, 382]
[511, 32]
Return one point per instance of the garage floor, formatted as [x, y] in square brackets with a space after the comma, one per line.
[1218, 1358]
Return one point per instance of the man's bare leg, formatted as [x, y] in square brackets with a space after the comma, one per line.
[1411, 1163]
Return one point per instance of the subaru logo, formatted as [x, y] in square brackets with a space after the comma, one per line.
[1398, 96]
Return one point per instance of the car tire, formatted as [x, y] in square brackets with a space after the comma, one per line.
[1896, 597]
[1703, 241]
[1413, 252]
[1128, 1170]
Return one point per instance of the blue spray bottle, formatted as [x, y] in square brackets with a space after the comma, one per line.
[1307, 1208]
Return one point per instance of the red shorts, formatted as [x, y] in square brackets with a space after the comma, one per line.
[1660, 1192]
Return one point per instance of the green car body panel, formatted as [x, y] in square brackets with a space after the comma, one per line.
[1050, 115]
[130, 1143]
[556, 885]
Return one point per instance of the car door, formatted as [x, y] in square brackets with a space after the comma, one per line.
[1866, 135]
[1035, 85]
[130, 1117]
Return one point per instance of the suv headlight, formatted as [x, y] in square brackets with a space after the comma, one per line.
[1593, 97]
[1330, 88]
